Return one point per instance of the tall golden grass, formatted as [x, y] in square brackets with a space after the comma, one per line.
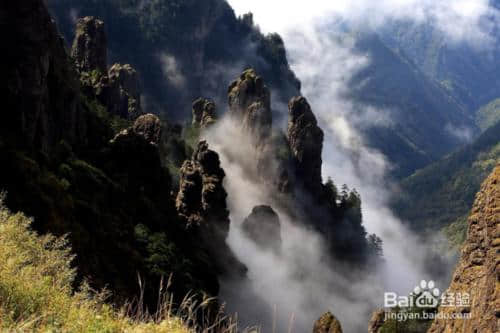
[36, 293]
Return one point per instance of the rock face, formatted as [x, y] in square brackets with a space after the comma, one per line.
[263, 227]
[250, 102]
[117, 89]
[149, 126]
[90, 46]
[204, 113]
[306, 143]
[202, 198]
[376, 321]
[40, 85]
[201, 203]
[327, 323]
[478, 271]
[134, 152]
[124, 97]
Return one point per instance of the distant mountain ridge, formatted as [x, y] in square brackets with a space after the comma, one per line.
[440, 195]
[425, 120]
[467, 71]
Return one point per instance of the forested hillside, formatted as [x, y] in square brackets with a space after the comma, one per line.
[440, 195]
[183, 49]
[422, 118]
[468, 71]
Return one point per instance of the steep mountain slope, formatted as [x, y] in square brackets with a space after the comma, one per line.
[467, 70]
[82, 170]
[183, 49]
[488, 115]
[441, 194]
[422, 118]
[187, 49]
[477, 271]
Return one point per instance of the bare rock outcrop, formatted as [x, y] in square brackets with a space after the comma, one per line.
[478, 271]
[118, 89]
[250, 102]
[89, 48]
[149, 126]
[201, 199]
[263, 227]
[135, 158]
[124, 96]
[204, 113]
[201, 204]
[327, 323]
[305, 139]
[376, 321]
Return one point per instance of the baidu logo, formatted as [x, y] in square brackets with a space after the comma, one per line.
[425, 295]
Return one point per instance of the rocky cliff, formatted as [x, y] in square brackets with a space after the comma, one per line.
[478, 272]
[263, 227]
[202, 198]
[290, 166]
[118, 89]
[204, 113]
[306, 144]
[327, 323]
[77, 157]
[201, 203]
[89, 49]
[183, 48]
[39, 84]
[249, 101]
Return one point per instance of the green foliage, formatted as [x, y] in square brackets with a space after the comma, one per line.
[411, 319]
[281, 146]
[114, 122]
[410, 131]
[331, 192]
[162, 254]
[456, 232]
[468, 73]
[191, 135]
[442, 194]
[36, 288]
[488, 115]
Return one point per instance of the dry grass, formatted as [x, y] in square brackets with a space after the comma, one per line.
[36, 293]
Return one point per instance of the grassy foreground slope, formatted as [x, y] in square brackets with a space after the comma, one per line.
[36, 292]
[441, 195]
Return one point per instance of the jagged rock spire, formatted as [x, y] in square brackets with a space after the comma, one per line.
[149, 126]
[327, 323]
[90, 45]
[119, 88]
[202, 198]
[124, 98]
[250, 101]
[305, 139]
[263, 227]
[204, 113]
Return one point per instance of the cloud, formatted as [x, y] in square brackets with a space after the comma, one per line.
[171, 70]
[325, 62]
[461, 20]
[464, 134]
[297, 282]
